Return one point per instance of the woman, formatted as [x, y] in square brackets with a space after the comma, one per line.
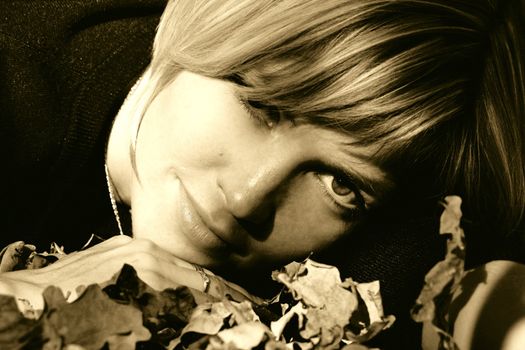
[261, 131]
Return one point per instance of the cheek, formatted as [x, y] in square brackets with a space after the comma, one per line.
[175, 122]
[153, 203]
[303, 224]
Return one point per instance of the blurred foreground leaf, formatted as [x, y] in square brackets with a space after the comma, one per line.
[444, 279]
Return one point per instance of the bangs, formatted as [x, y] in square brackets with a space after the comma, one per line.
[384, 72]
[393, 104]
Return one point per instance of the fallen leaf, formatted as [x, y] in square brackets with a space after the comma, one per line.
[278, 326]
[245, 336]
[445, 277]
[93, 319]
[328, 310]
[318, 286]
[374, 322]
[16, 331]
[164, 313]
[207, 319]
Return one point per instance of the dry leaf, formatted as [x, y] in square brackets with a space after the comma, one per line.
[444, 278]
[93, 319]
[16, 331]
[247, 335]
[328, 310]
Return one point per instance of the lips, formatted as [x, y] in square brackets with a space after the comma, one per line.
[194, 227]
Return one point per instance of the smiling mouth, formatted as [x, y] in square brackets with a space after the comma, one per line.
[194, 227]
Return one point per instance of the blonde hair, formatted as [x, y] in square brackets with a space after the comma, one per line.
[439, 85]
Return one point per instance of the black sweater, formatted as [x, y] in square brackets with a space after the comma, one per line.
[65, 68]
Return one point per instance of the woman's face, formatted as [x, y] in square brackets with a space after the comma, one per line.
[221, 185]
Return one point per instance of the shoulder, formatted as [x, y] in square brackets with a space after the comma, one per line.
[489, 310]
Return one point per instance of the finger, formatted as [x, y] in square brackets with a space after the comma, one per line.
[217, 286]
[95, 251]
[110, 243]
[148, 246]
[192, 279]
[10, 257]
[172, 271]
[166, 276]
[98, 264]
[160, 272]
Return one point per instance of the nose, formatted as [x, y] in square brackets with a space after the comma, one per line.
[255, 183]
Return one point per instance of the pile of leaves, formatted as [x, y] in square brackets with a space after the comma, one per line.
[315, 310]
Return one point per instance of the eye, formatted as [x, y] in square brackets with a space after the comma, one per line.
[342, 191]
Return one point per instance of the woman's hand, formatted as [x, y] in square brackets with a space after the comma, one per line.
[100, 263]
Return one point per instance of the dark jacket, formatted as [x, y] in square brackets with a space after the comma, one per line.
[65, 68]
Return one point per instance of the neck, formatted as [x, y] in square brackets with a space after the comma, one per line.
[118, 156]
